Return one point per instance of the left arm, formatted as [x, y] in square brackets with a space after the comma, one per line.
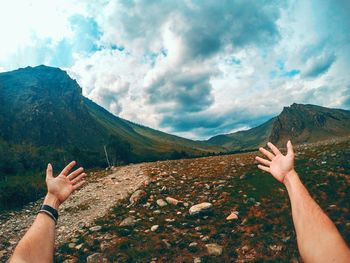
[37, 245]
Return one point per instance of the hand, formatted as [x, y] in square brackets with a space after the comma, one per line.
[62, 186]
[278, 165]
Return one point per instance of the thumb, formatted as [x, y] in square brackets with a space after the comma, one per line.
[49, 172]
[290, 150]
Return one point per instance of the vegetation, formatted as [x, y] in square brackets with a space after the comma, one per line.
[44, 118]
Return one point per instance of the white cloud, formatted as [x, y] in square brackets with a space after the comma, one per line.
[188, 67]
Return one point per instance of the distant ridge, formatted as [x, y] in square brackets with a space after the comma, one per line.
[302, 123]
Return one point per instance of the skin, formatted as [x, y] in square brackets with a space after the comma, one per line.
[37, 245]
[317, 237]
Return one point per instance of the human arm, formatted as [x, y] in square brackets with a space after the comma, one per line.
[317, 237]
[37, 245]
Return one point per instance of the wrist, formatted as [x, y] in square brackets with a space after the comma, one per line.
[52, 201]
[290, 176]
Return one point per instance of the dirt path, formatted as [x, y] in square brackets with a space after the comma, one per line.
[91, 202]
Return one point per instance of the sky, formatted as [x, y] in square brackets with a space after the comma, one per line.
[194, 68]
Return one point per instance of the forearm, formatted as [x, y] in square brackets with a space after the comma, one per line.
[37, 245]
[318, 238]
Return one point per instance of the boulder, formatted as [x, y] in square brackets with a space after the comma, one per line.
[200, 208]
[214, 249]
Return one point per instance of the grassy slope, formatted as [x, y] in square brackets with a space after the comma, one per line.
[143, 139]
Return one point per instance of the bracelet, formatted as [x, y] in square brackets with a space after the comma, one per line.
[50, 211]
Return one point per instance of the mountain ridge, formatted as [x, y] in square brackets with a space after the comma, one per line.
[301, 123]
[42, 109]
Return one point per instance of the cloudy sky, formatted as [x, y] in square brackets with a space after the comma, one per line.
[195, 68]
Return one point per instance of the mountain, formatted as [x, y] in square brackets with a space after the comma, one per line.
[302, 123]
[44, 117]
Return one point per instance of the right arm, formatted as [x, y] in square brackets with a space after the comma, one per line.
[317, 237]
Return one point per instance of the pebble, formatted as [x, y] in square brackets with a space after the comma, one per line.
[205, 239]
[154, 228]
[172, 201]
[96, 258]
[193, 244]
[71, 245]
[161, 203]
[129, 221]
[95, 228]
[232, 216]
[214, 249]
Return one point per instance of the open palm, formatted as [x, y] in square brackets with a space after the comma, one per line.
[277, 164]
[64, 184]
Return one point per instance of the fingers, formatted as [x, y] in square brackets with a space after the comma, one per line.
[290, 148]
[49, 171]
[273, 148]
[266, 153]
[76, 186]
[75, 173]
[66, 170]
[78, 178]
[264, 168]
[263, 161]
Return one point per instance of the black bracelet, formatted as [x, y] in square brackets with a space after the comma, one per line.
[50, 211]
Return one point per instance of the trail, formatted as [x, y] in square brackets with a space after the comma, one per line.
[101, 193]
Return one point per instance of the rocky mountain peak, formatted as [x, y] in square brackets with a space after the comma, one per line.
[305, 122]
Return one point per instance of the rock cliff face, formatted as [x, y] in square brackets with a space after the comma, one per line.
[301, 123]
[44, 106]
[309, 123]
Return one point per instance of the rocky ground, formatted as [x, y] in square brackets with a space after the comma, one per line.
[214, 209]
[102, 192]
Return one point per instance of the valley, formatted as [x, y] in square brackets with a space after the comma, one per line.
[156, 229]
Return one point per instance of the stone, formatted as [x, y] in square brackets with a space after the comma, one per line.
[205, 238]
[71, 245]
[193, 244]
[161, 203]
[172, 201]
[79, 246]
[138, 197]
[95, 228]
[276, 248]
[129, 221]
[232, 216]
[96, 258]
[154, 228]
[200, 208]
[197, 260]
[214, 249]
